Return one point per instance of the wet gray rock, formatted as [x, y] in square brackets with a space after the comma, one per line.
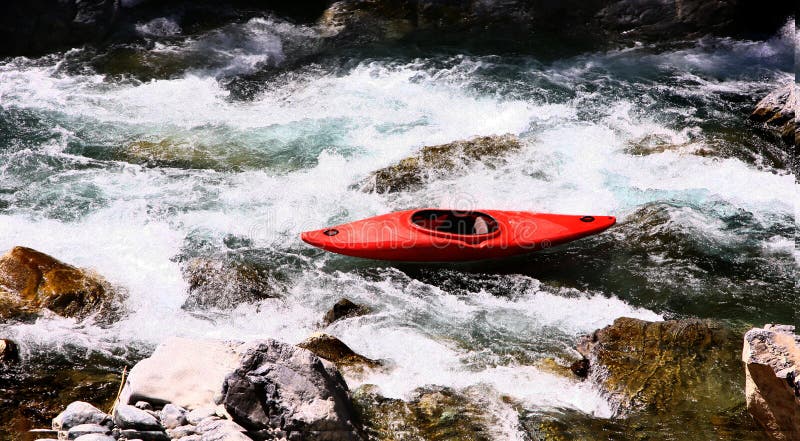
[772, 384]
[80, 412]
[129, 417]
[85, 429]
[344, 308]
[173, 416]
[283, 387]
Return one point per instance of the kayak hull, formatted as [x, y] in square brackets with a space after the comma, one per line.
[395, 236]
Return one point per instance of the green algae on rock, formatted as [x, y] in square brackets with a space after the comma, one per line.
[432, 161]
[433, 413]
[671, 366]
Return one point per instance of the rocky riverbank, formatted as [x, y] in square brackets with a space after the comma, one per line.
[681, 374]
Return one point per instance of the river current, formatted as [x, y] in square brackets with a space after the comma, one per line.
[221, 147]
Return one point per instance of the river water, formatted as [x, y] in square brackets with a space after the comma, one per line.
[221, 147]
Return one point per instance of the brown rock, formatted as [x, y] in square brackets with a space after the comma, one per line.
[772, 369]
[344, 308]
[334, 350]
[31, 280]
[664, 366]
[778, 109]
[580, 368]
[9, 351]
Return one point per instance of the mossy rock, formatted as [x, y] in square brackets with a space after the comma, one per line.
[433, 413]
[434, 161]
[31, 280]
[666, 367]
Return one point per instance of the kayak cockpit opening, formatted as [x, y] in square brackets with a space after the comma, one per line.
[464, 223]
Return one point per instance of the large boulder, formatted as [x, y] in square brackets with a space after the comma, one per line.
[772, 368]
[434, 161]
[664, 367]
[185, 372]
[36, 26]
[31, 280]
[281, 389]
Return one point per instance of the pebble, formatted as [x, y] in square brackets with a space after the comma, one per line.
[144, 405]
[129, 417]
[173, 416]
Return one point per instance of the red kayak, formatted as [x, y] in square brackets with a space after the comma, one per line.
[441, 235]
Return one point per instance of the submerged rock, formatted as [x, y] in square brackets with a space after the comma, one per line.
[226, 283]
[661, 367]
[772, 368]
[432, 413]
[334, 350]
[31, 280]
[286, 389]
[432, 161]
[35, 391]
[344, 308]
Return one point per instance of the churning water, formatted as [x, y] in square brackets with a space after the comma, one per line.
[140, 175]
